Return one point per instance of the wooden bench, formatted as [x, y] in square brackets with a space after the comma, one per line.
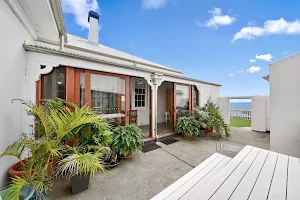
[252, 174]
[203, 172]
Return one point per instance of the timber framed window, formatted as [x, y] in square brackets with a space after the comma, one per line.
[140, 94]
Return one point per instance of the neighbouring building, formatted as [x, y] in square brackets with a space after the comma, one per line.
[285, 105]
[39, 60]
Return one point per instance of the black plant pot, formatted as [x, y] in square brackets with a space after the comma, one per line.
[80, 183]
[112, 165]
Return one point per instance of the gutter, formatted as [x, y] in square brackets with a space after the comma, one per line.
[118, 57]
[46, 50]
[59, 19]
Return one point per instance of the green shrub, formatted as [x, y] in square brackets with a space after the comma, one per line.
[188, 126]
[127, 139]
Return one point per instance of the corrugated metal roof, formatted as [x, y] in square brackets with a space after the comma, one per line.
[43, 49]
[82, 43]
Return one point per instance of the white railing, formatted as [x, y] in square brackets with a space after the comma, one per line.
[240, 114]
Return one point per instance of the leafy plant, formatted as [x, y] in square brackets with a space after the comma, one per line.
[217, 121]
[202, 117]
[187, 125]
[215, 118]
[127, 139]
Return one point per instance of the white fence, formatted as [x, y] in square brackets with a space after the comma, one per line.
[240, 114]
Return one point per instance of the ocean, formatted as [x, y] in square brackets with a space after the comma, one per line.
[240, 105]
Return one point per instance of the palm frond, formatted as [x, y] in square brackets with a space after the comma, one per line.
[15, 149]
[80, 164]
[12, 192]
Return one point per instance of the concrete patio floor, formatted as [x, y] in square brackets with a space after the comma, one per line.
[146, 174]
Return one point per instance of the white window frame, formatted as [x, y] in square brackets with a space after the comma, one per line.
[134, 81]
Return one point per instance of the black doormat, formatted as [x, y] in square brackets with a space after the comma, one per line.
[150, 147]
[170, 141]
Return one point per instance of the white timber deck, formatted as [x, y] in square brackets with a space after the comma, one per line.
[254, 174]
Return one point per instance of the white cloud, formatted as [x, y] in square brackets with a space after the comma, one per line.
[253, 69]
[271, 27]
[240, 71]
[218, 19]
[80, 9]
[154, 4]
[252, 60]
[231, 75]
[266, 57]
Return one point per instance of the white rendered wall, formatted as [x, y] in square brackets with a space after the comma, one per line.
[161, 100]
[223, 103]
[260, 113]
[285, 106]
[12, 78]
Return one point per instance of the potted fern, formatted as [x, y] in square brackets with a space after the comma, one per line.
[188, 126]
[127, 140]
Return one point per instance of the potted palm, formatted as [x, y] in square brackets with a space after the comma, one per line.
[127, 140]
[79, 165]
[42, 152]
[188, 126]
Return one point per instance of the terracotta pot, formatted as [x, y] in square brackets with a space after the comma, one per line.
[14, 170]
[209, 130]
[72, 141]
[129, 155]
[186, 136]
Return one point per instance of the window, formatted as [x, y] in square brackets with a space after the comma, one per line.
[182, 100]
[140, 94]
[108, 97]
[195, 97]
[54, 84]
[82, 89]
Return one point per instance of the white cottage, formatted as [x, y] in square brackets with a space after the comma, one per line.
[39, 60]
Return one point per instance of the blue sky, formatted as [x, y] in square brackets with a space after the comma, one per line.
[208, 40]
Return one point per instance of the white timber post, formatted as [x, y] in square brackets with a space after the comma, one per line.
[156, 81]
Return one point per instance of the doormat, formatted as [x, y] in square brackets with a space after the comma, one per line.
[150, 147]
[169, 141]
[231, 148]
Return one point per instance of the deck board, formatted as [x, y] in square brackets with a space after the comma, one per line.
[208, 190]
[193, 181]
[176, 185]
[244, 188]
[279, 181]
[293, 179]
[263, 182]
[207, 178]
[226, 189]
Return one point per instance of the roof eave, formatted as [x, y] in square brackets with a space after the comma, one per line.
[46, 50]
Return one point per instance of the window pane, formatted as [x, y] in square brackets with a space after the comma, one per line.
[108, 96]
[182, 100]
[82, 89]
[196, 97]
[139, 103]
[143, 97]
[54, 84]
